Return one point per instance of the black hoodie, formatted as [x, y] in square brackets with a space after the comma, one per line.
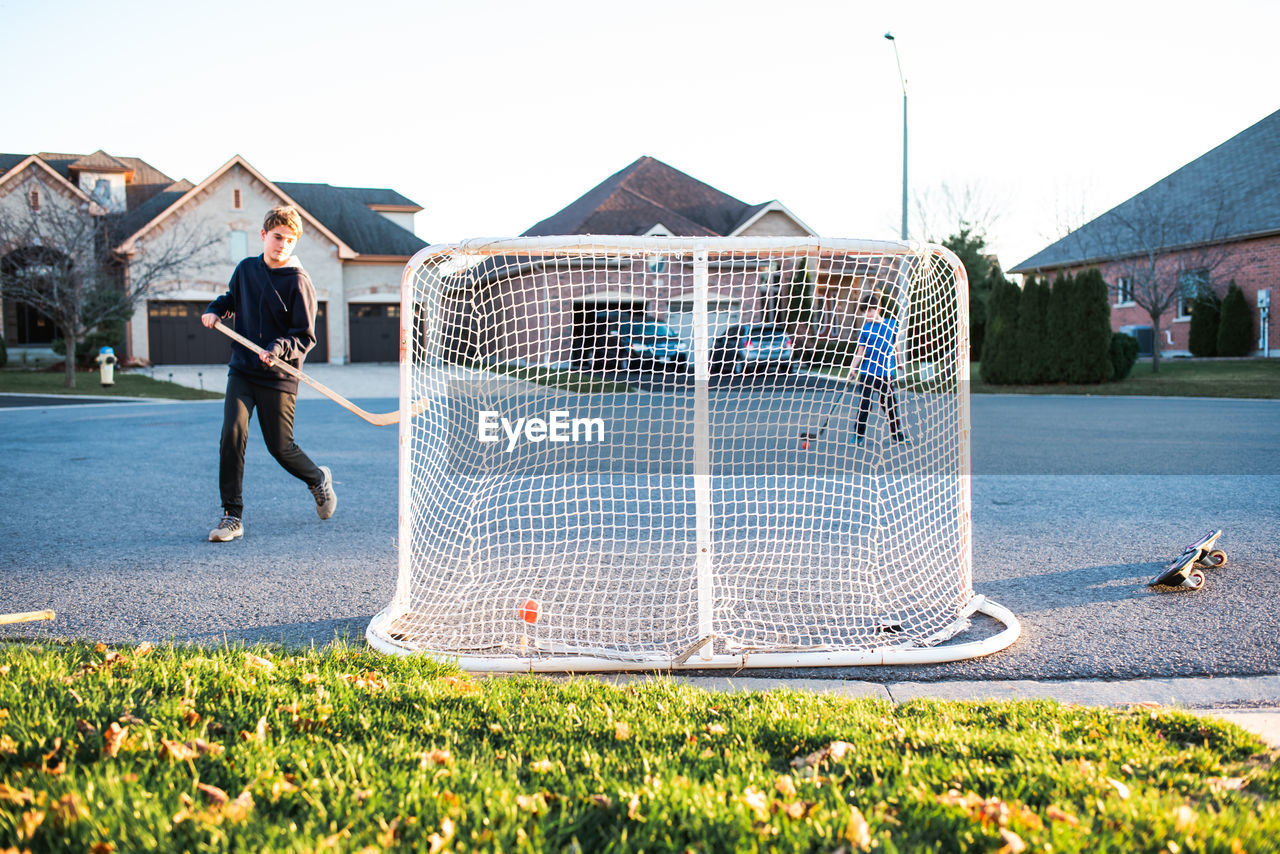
[275, 308]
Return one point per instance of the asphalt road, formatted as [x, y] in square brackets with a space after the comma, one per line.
[1077, 502]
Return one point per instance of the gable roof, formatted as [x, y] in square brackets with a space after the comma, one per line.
[13, 165]
[144, 181]
[645, 194]
[1229, 193]
[347, 212]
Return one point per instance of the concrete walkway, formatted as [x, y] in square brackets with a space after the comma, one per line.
[356, 380]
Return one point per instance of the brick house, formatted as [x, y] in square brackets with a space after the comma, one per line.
[1213, 221]
[546, 316]
[355, 243]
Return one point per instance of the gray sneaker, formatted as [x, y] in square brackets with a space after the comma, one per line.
[228, 529]
[326, 498]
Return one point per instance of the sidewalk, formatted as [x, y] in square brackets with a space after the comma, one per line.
[359, 380]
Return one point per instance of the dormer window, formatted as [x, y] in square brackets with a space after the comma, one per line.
[33, 200]
[236, 202]
[102, 191]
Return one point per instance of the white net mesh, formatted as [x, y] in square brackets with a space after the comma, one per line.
[677, 451]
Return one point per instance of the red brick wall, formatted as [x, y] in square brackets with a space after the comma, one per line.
[1254, 265]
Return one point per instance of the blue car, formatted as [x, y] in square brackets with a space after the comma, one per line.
[756, 347]
[648, 345]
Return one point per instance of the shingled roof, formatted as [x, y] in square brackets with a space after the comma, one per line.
[646, 194]
[346, 212]
[1230, 193]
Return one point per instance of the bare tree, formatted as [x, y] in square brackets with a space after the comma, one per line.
[61, 260]
[945, 210]
[1159, 251]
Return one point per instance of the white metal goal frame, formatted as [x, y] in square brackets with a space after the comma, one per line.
[724, 522]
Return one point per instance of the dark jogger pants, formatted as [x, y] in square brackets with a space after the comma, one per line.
[869, 385]
[275, 417]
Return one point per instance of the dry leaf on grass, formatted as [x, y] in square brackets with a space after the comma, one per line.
[1013, 843]
[258, 662]
[113, 739]
[213, 793]
[8, 794]
[857, 832]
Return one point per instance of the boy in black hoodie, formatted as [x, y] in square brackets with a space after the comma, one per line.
[271, 302]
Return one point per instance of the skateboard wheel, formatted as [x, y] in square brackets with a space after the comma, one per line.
[1214, 559]
[1194, 580]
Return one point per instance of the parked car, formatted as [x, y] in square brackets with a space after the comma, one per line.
[647, 345]
[754, 347]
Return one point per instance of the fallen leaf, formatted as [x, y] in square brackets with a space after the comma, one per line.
[1053, 813]
[1226, 784]
[31, 820]
[213, 793]
[101, 848]
[11, 795]
[69, 808]
[542, 766]
[113, 738]
[143, 648]
[757, 801]
[239, 809]
[436, 756]
[437, 841]
[8, 747]
[178, 750]
[621, 730]
[1013, 843]
[85, 728]
[1121, 789]
[857, 832]
[1183, 818]
[785, 786]
[259, 662]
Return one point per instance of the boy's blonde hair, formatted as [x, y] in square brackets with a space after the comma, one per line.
[286, 215]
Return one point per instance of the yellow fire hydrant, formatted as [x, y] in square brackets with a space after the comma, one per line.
[107, 365]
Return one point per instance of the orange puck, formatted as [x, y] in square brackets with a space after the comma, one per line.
[530, 611]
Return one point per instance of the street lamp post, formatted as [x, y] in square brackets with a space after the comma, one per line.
[903, 81]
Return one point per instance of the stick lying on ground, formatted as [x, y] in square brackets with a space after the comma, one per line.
[376, 419]
[25, 617]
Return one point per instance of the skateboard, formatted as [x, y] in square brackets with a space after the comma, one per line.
[1185, 569]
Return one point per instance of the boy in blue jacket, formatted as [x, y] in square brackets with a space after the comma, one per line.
[874, 363]
[272, 302]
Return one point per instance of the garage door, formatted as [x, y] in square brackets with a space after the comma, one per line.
[375, 332]
[178, 338]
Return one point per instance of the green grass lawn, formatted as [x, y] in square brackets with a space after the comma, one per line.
[1176, 377]
[127, 384]
[348, 750]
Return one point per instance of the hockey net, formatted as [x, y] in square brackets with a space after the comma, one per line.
[641, 453]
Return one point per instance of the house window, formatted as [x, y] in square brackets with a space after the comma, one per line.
[235, 199]
[239, 241]
[1190, 284]
[33, 199]
[1124, 290]
[102, 191]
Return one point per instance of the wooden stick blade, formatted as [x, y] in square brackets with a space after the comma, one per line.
[377, 419]
[26, 617]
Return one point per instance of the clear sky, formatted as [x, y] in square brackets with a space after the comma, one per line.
[493, 114]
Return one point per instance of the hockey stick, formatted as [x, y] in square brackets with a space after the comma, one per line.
[25, 617]
[376, 419]
[812, 433]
